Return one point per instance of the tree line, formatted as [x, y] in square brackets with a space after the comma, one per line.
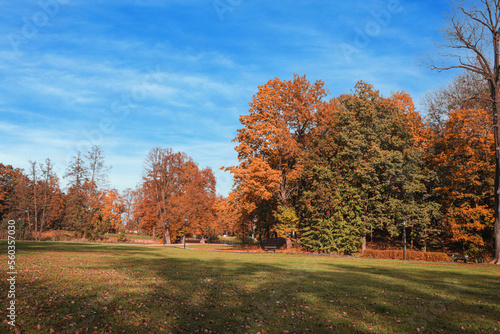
[173, 188]
[333, 174]
[361, 166]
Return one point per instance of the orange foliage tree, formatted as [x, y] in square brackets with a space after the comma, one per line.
[35, 200]
[112, 207]
[9, 178]
[51, 198]
[464, 158]
[276, 132]
[229, 217]
[174, 188]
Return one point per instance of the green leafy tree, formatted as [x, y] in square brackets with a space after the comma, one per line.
[366, 157]
[332, 208]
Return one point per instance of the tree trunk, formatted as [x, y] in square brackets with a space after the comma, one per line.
[363, 245]
[496, 120]
[29, 222]
[44, 208]
[496, 194]
[411, 238]
[35, 213]
[167, 236]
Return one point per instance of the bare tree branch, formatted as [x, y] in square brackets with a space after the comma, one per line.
[473, 37]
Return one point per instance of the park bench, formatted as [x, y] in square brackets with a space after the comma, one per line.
[272, 244]
[270, 247]
[457, 257]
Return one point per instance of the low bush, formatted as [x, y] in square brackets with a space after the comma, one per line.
[250, 241]
[217, 239]
[410, 255]
[121, 236]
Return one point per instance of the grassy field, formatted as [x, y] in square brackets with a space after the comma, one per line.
[131, 236]
[95, 288]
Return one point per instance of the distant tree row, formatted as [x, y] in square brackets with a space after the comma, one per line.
[173, 188]
[35, 199]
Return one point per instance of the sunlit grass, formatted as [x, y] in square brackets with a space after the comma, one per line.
[131, 236]
[72, 288]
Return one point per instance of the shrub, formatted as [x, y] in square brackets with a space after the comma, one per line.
[410, 255]
[331, 236]
[230, 240]
[213, 238]
[121, 236]
[250, 240]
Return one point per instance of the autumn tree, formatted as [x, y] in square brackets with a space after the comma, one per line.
[51, 199]
[76, 216]
[111, 209]
[145, 209]
[34, 186]
[467, 91]
[472, 38]
[14, 198]
[198, 197]
[365, 171]
[229, 218]
[34, 198]
[174, 188]
[97, 194]
[129, 198]
[87, 175]
[275, 134]
[466, 176]
[9, 178]
[160, 187]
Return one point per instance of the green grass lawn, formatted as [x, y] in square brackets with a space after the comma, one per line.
[131, 236]
[95, 288]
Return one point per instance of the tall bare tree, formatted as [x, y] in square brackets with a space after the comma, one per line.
[467, 91]
[160, 181]
[34, 180]
[98, 171]
[50, 201]
[129, 197]
[472, 36]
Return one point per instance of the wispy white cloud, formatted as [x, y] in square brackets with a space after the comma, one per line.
[85, 77]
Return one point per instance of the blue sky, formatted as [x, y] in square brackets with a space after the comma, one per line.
[130, 75]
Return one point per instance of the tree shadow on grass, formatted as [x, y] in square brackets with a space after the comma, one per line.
[148, 290]
[451, 298]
